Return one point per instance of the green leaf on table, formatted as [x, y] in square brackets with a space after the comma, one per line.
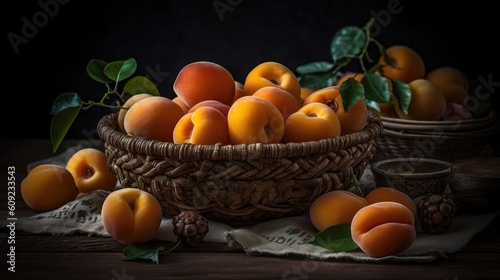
[402, 93]
[136, 252]
[140, 84]
[317, 81]
[336, 238]
[95, 69]
[376, 88]
[65, 109]
[315, 67]
[351, 91]
[121, 69]
[347, 43]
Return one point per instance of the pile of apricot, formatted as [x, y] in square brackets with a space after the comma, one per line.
[382, 223]
[211, 107]
[438, 94]
[129, 215]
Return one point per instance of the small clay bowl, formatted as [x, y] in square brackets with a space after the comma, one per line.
[415, 177]
[475, 182]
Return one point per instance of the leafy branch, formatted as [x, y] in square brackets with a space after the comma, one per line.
[348, 44]
[67, 106]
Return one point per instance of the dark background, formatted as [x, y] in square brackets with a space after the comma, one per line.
[163, 36]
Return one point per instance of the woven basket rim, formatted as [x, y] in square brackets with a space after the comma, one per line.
[485, 119]
[377, 168]
[108, 130]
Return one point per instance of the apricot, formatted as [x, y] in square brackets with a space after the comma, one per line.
[153, 118]
[271, 73]
[205, 126]
[252, 119]
[204, 80]
[427, 102]
[452, 82]
[390, 194]
[407, 65]
[89, 168]
[219, 106]
[357, 76]
[131, 215]
[286, 103]
[383, 228]
[238, 90]
[181, 103]
[131, 101]
[312, 122]
[335, 207]
[304, 93]
[48, 187]
[352, 121]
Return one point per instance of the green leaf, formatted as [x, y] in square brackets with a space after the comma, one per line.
[348, 42]
[135, 252]
[95, 69]
[121, 69]
[402, 93]
[351, 91]
[317, 81]
[61, 122]
[336, 238]
[140, 84]
[376, 88]
[372, 105]
[315, 67]
[65, 100]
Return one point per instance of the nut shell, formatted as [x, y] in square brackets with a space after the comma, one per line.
[436, 213]
[190, 227]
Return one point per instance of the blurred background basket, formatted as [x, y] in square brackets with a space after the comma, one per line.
[443, 140]
[238, 184]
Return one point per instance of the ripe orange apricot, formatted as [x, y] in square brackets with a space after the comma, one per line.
[153, 118]
[350, 122]
[407, 64]
[89, 167]
[239, 92]
[390, 194]
[48, 187]
[304, 93]
[252, 120]
[357, 76]
[204, 80]
[131, 215]
[427, 102]
[283, 100]
[131, 101]
[452, 82]
[204, 126]
[312, 122]
[221, 107]
[272, 73]
[335, 207]
[383, 228]
[181, 104]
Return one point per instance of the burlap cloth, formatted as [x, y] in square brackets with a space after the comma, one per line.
[281, 237]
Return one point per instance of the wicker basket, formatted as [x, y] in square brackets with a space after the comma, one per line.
[238, 184]
[443, 140]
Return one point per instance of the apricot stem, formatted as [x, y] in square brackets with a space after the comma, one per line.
[175, 246]
[332, 104]
[89, 172]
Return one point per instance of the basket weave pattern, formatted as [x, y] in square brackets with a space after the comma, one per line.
[238, 184]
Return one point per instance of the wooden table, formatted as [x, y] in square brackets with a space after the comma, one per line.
[83, 257]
